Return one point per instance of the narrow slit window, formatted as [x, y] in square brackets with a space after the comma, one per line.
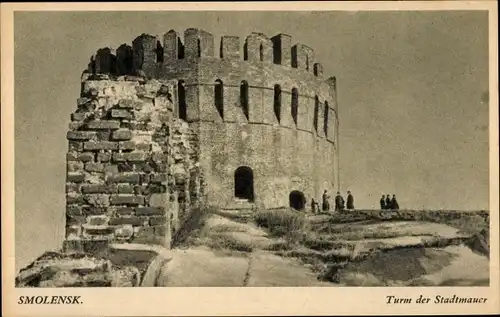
[219, 97]
[325, 124]
[261, 52]
[245, 51]
[180, 49]
[159, 52]
[277, 102]
[199, 47]
[316, 113]
[295, 104]
[244, 98]
[181, 96]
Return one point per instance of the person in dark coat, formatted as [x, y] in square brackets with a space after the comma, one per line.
[339, 202]
[388, 202]
[350, 201]
[382, 203]
[314, 206]
[394, 203]
[326, 203]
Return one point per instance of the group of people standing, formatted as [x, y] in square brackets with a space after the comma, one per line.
[340, 204]
[386, 203]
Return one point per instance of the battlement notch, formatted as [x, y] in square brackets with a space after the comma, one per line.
[230, 47]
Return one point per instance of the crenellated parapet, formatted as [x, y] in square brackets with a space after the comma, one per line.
[257, 79]
[148, 52]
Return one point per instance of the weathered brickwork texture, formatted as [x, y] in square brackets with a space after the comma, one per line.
[163, 124]
[131, 175]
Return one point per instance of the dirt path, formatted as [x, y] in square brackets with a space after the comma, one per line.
[217, 261]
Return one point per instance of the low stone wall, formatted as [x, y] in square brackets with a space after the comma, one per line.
[467, 220]
[428, 215]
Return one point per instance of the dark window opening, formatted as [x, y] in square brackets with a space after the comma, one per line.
[294, 56]
[316, 70]
[199, 47]
[181, 99]
[307, 63]
[277, 102]
[295, 104]
[180, 49]
[243, 183]
[219, 97]
[316, 113]
[325, 124]
[276, 50]
[244, 97]
[261, 52]
[159, 52]
[245, 51]
[297, 200]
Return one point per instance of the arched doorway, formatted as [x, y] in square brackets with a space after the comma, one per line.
[243, 183]
[297, 200]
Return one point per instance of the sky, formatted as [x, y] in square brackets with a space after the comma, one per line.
[412, 93]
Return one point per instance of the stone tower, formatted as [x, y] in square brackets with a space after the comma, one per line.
[165, 125]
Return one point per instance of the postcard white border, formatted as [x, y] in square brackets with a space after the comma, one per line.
[238, 301]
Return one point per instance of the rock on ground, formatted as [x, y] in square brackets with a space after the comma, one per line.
[449, 266]
[55, 269]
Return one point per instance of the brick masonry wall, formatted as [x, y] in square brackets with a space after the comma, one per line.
[285, 154]
[282, 161]
[131, 174]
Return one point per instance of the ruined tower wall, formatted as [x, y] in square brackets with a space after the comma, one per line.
[131, 174]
